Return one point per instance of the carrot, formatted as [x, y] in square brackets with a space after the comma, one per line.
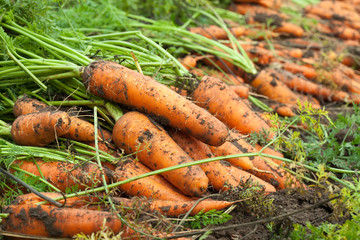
[250, 180]
[268, 172]
[84, 131]
[215, 96]
[252, 9]
[65, 175]
[189, 62]
[144, 187]
[289, 28]
[240, 90]
[306, 86]
[228, 78]
[308, 72]
[265, 3]
[122, 85]
[25, 105]
[217, 172]
[41, 128]
[224, 65]
[285, 110]
[271, 151]
[49, 221]
[174, 208]
[80, 130]
[136, 133]
[267, 82]
[216, 32]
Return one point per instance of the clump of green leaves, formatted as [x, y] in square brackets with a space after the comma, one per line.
[338, 145]
[212, 217]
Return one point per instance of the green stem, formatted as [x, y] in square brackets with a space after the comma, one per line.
[77, 103]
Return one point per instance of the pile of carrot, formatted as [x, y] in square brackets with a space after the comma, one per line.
[163, 127]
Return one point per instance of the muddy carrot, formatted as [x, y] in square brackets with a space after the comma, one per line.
[80, 130]
[216, 97]
[65, 175]
[267, 82]
[41, 128]
[144, 187]
[217, 172]
[240, 90]
[122, 85]
[216, 32]
[175, 208]
[49, 221]
[136, 133]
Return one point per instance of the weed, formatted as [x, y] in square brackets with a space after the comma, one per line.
[212, 217]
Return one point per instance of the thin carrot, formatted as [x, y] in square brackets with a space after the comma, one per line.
[316, 89]
[122, 85]
[65, 175]
[265, 3]
[261, 167]
[240, 90]
[267, 82]
[285, 110]
[174, 208]
[189, 62]
[215, 96]
[41, 128]
[271, 151]
[136, 133]
[144, 187]
[217, 172]
[216, 32]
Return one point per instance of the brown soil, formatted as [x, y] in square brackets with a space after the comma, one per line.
[285, 201]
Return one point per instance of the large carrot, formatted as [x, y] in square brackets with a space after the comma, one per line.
[80, 130]
[136, 133]
[65, 175]
[49, 221]
[41, 128]
[144, 187]
[122, 85]
[216, 97]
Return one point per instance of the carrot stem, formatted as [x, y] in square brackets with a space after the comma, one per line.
[77, 103]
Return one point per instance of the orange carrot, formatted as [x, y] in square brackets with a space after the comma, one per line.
[216, 32]
[267, 82]
[306, 86]
[308, 72]
[189, 62]
[80, 130]
[41, 128]
[271, 151]
[250, 180]
[49, 221]
[276, 176]
[215, 96]
[144, 187]
[240, 90]
[285, 110]
[265, 3]
[122, 85]
[174, 208]
[217, 172]
[25, 105]
[65, 175]
[136, 133]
